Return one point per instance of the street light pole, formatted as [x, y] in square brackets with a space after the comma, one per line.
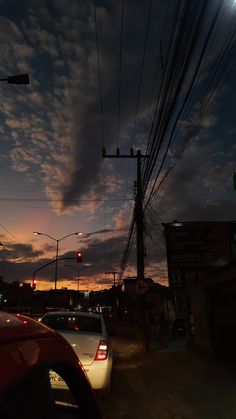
[86, 265]
[114, 276]
[57, 248]
[56, 265]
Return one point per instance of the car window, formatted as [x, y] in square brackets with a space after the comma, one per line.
[60, 391]
[49, 392]
[73, 323]
[29, 397]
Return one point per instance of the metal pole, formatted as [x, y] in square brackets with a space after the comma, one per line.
[56, 264]
[140, 249]
[78, 280]
[139, 221]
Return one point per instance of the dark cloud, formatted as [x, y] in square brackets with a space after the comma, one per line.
[105, 281]
[104, 231]
[98, 252]
[87, 141]
[14, 251]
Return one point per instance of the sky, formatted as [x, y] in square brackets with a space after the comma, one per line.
[92, 86]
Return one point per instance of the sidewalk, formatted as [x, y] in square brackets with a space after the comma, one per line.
[170, 383]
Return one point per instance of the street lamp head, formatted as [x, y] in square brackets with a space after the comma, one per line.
[177, 223]
[19, 79]
[36, 233]
[78, 233]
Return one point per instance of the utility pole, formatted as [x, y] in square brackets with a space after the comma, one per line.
[138, 214]
[138, 206]
[114, 276]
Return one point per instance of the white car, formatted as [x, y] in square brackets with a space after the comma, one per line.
[86, 333]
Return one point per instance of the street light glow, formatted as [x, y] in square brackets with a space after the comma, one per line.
[177, 224]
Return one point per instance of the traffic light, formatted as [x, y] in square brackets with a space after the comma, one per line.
[79, 257]
[34, 283]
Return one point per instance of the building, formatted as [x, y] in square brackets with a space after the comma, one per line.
[194, 250]
[156, 297]
[202, 273]
[212, 303]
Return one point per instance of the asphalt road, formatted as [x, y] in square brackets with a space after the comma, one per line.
[173, 383]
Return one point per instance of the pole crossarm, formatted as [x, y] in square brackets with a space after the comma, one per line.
[124, 156]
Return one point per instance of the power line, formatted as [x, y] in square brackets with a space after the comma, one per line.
[12, 235]
[120, 67]
[176, 72]
[99, 73]
[220, 69]
[142, 68]
[67, 200]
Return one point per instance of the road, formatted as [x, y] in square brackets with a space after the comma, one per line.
[174, 383]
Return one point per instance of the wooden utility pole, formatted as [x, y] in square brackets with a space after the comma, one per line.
[139, 222]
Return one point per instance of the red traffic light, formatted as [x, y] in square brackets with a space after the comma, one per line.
[34, 283]
[79, 256]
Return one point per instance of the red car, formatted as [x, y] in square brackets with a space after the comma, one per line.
[29, 355]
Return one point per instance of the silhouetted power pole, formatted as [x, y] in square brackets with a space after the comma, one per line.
[138, 213]
[139, 222]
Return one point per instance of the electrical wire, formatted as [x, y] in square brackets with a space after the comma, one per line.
[12, 235]
[174, 87]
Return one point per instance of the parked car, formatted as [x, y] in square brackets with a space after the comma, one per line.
[86, 332]
[29, 353]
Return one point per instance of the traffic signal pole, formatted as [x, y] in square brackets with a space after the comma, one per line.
[139, 222]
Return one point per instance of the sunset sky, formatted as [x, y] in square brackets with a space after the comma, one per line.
[53, 178]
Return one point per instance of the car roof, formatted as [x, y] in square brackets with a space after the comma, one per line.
[25, 344]
[73, 313]
[15, 326]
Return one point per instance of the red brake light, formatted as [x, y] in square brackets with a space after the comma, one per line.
[102, 351]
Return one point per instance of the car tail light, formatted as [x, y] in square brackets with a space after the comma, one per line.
[102, 351]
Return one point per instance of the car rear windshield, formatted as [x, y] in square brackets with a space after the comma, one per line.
[73, 323]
